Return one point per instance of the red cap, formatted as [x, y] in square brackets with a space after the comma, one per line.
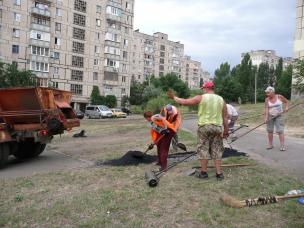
[208, 85]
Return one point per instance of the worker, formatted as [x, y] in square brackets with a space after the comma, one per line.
[162, 132]
[212, 116]
[172, 114]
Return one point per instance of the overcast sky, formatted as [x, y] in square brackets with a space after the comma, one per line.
[215, 31]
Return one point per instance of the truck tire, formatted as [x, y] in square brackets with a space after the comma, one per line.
[4, 153]
[29, 149]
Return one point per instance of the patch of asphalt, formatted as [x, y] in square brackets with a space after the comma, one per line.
[49, 161]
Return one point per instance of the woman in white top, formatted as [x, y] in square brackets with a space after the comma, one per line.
[272, 114]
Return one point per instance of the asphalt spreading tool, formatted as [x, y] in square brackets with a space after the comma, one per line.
[259, 201]
[152, 177]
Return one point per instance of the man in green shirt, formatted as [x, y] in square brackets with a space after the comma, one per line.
[212, 116]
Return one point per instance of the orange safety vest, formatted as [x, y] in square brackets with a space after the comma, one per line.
[174, 118]
[157, 126]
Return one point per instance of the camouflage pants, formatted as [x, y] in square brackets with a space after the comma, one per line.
[210, 142]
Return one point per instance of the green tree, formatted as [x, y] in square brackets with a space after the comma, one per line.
[95, 96]
[279, 70]
[110, 101]
[136, 91]
[150, 92]
[155, 105]
[284, 84]
[230, 89]
[221, 74]
[246, 79]
[11, 76]
[299, 75]
[124, 101]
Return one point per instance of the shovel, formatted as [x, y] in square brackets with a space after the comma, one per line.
[139, 154]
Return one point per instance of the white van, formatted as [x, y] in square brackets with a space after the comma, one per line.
[98, 111]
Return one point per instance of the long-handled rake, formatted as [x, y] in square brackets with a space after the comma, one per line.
[262, 200]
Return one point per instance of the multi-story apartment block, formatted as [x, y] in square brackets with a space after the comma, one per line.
[299, 39]
[192, 72]
[263, 56]
[155, 55]
[72, 45]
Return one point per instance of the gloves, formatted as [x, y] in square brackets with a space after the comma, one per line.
[150, 147]
[165, 132]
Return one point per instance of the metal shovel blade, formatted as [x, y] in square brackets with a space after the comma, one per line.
[182, 146]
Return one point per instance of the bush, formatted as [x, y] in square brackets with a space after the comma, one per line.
[155, 105]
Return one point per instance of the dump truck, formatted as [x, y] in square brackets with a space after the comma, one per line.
[30, 117]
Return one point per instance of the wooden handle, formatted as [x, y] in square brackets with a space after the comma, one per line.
[290, 196]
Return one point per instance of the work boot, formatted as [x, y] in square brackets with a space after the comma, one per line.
[201, 175]
[220, 176]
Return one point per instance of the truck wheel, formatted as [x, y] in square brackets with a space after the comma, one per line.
[29, 149]
[4, 153]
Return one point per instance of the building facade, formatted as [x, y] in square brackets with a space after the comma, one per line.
[192, 72]
[298, 40]
[263, 56]
[71, 45]
[155, 55]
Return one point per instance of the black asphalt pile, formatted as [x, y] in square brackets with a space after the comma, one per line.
[129, 159]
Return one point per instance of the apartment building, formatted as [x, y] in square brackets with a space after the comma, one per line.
[72, 45]
[155, 55]
[298, 40]
[263, 56]
[191, 72]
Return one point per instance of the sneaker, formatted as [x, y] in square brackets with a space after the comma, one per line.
[201, 175]
[220, 176]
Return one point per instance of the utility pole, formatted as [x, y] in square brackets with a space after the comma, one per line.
[255, 86]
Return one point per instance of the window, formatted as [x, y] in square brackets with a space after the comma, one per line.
[56, 55]
[123, 79]
[125, 42]
[96, 62]
[98, 9]
[97, 49]
[41, 20]
[161, 67]
[80, 5]
[97, 35]
[59, 2]
[162, 47]
[124, 54]
[112, 63]
[78, 47]
[77, 61]
[161, 61]
[16, 32]
[110, 76]
[57, 40]
[76, 89]
[17, 2]
[17, 17]
[57, 26]
[58, 12]
[128, 6]
[40, 36]
[39, 66]
[56, 70]
[114, 11]
[95, 76]
[79, 19]
[112, 37]
[162, 54]
[76, 75]
[40, 51]
[123, 90]
[15, 49]
[98, 22]
[78, 33]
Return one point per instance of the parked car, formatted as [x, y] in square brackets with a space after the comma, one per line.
[79, 114]
[98, 111]
[117, 113]
[126, 110]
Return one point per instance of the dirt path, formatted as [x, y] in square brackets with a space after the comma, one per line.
[255, 143]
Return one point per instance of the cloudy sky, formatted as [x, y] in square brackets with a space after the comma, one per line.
[215, 31]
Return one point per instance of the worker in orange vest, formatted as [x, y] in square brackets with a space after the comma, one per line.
[172, 115]
[162, 132]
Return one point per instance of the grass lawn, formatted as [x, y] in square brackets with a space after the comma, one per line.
[118, 196]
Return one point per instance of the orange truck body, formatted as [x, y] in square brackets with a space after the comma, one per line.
[34, 114]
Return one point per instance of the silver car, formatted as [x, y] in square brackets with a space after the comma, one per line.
[98, 111]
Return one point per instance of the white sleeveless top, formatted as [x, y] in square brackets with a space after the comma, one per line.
[275, 108]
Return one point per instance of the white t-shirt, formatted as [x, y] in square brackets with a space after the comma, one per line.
[231, 110]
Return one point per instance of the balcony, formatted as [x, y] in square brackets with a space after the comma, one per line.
[43, 28]
[112, 43]
[39, 58]
[111, 56]
[111, 69]
[112, 17]
[113, 3]
[39, 43]
[41, 12]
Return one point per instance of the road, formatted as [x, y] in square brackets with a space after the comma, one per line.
[48, 161]
[255, 143]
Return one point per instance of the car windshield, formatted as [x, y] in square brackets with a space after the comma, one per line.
[104, 108]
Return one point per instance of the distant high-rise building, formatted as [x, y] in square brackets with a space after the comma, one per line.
[263, 56]
[299, 40]
[71, 45]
